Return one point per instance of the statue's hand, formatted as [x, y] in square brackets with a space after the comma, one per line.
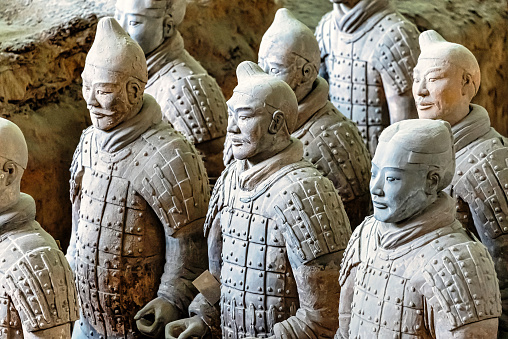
[186, 328]
[152, 318]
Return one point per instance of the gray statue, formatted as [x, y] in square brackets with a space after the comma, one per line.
[190, 99]
[139, 192]
[37, 292]
[331, 142]
[411, 270]
[447, 77]
[276, 227]
[368, 52]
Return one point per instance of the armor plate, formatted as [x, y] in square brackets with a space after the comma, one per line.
[291, 220]
[332, 143]
[193, 103]
[37, 290]
[130, 202]
[360, 66]
[394, 298]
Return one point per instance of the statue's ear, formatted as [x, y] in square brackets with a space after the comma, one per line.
[308, 72]
[134, 91]
[468, 85]
[278, 121]
[433, 180]
[168, 26]
[11, 171]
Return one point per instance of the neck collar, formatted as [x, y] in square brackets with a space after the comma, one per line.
[473, 126]
[170, 49]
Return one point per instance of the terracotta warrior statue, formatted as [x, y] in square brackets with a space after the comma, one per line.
[37, 292]
[190, 99]
[447, 77]
[139, 192]
[411, 270]
[331, 142]
[276, 227]
[368, 52]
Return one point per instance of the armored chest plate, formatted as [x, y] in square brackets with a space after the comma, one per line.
[120, 251]
[258, 287]
[385, 303]
[356, 87]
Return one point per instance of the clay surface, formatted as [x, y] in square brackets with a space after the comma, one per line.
[37, 291]
[290, 52]
[368, 52]
[190, 99]
[275, 226]
[405, 265]
[139, 192]
[40, 83]
[447, 77]
[50, 40]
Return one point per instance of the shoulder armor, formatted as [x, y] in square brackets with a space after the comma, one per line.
[217, 200]
[460, 280]
[311, 214]
[194, 105]
[40, 282]
[322, 34]
[352, 254]
[397, 52]
[339, 152]
[172, 178]
[484, 187]
[77, 162]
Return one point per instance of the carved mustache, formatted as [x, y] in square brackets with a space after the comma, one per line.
[240, 141]
[100, 112]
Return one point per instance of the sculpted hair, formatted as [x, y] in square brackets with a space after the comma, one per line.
[268, 89]
[291, 36]
[434, 46]
[427, 142]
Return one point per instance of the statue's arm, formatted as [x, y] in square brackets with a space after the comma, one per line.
[346, 298]
[319, 292]
[316, 235]
[395, 58]
[75, 196]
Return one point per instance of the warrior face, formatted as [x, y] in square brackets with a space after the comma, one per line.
[252, 127]
[399, 189]
[111, 97]
[288, 68]
[13, 161]
[439, 89]
[148, 27]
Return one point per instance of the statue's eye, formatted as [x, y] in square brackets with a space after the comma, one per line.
[391, 179]
[274, 70]
[134, 23]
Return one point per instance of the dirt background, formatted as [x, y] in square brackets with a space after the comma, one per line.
[43, 45]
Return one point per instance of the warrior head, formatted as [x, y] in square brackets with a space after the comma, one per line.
[290, 52]
[150, 22]
[114, 77]
[13, 161]
[414, 161]
[446, 78]
[262, 112]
